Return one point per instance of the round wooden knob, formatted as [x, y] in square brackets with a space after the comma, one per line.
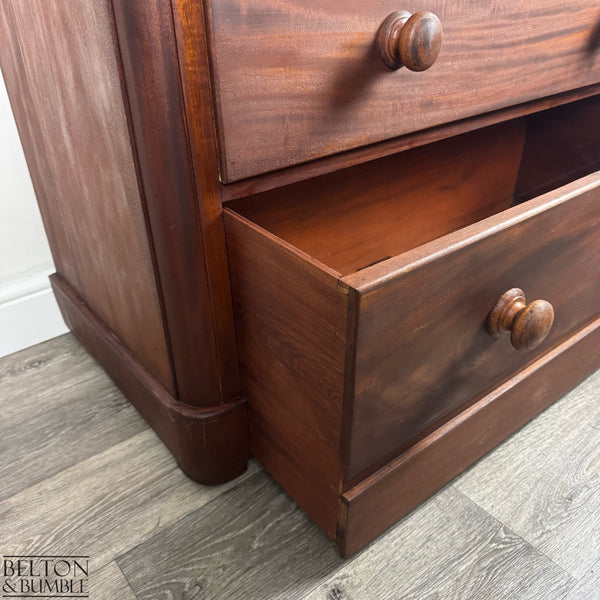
[411, 41]
[529, 324]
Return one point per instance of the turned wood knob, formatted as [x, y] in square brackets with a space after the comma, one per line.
[410, 40]
[529, 324]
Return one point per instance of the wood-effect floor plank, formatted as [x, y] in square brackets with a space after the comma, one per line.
[588, 587]
[254, 542]
[109, 583]
[128, 505]
[544, 482]
[105, 505]
[58, 408]
[448, 548]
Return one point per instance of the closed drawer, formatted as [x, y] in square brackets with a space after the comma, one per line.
[362, 309]
[298, 80]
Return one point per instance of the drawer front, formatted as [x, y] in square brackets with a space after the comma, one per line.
[295, 80]
[423, 350]
[400, 486]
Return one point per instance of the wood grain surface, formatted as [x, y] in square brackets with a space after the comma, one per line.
[411, 40]
[423, 348]
[253, 543]
[59, 374]
[60, 65]
[291, 324]
[109, 583]
[359, 216]
[564, 435]
[319, 94]
[189, 248]
[448, 548]
[527, 323]
[546, 165]
[398, 487]
[588, 587]
[350, 158]
[183, 546]
[210, 444]
[188, 20]
[125, 494]
[295, 81]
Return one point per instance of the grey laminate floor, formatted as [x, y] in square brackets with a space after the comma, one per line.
[81, 473]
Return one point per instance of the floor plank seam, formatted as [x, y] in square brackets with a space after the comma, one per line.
[126, 579]
[492, 556]
[331, 576]
[582, 577]
[574, 580]
[240, 480]
[67, 468]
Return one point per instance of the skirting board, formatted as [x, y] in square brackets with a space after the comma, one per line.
[29, 314]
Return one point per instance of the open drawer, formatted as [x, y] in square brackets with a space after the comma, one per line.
[362, 299]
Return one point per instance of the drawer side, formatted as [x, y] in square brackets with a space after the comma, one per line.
[290, 322]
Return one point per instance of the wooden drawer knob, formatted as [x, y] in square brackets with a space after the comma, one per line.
[410, 40]
[529, 324]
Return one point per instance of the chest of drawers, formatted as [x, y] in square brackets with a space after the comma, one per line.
[360, 242]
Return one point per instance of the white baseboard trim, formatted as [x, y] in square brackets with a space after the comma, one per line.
[28, 314]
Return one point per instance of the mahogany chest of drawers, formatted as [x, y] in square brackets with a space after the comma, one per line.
[358, 241]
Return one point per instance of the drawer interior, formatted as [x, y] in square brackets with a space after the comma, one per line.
[357, 217]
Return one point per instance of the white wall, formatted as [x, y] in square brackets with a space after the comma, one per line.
[28, 310]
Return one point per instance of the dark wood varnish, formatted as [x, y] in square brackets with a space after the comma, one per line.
[88, 193]
[188, 21]
[436, 299]
[528, 324]
[335, 318]
[295, 81]
[561, 145]
[344, 160]
[190, 264]
[372, 506]
[418, 339]
[356, 217]
[416, 350]
[209, 444]
[290, 320]
[97, 96]
[410, 40]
